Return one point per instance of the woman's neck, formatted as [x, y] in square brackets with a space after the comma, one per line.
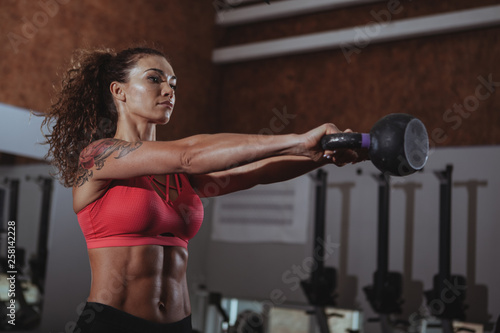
[131, 132]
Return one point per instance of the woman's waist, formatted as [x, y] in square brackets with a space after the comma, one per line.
[146, 304]
[95, 312]
[148, 291]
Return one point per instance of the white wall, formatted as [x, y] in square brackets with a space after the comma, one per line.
[20, 132]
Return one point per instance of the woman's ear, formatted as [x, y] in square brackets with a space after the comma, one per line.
[117, 91]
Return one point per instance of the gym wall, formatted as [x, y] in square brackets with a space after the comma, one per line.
[423, 76]
[38, 39]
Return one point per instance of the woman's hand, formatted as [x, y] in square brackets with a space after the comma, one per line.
[312, 141]
[339, 157]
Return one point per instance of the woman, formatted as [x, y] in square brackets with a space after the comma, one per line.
[137, 200]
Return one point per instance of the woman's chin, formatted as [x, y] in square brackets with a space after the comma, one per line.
[164, 121]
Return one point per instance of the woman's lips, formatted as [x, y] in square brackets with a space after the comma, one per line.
[167, 104]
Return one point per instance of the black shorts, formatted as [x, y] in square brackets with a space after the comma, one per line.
[101, 318]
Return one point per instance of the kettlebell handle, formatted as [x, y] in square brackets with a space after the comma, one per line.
[345, 140]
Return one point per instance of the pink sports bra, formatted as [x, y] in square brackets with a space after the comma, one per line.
[131, 213]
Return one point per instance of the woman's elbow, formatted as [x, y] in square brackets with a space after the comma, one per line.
[186, 164]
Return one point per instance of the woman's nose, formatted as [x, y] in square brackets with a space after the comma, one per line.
[167, 90]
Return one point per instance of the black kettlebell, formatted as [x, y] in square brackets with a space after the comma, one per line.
[398, 144]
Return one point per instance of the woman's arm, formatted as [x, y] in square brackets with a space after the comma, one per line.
[265, 171]
[200, 154]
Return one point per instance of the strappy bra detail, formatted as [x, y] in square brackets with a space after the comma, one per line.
[167, 185]
[132, 213]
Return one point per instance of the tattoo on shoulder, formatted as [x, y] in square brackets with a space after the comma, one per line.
[97, 153]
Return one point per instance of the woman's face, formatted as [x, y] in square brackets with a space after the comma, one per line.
[150, 91]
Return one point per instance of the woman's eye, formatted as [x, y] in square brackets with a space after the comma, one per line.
[173, 86]
[154, 79]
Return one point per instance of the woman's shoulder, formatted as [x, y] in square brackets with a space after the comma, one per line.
[97, 151]
[101, 145]
[89, 192]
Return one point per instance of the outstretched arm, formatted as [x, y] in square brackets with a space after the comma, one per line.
[200, 154]
[265, 171]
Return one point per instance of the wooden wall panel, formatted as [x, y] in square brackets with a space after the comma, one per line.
[30, 62]
[424, 76]
[340, 18]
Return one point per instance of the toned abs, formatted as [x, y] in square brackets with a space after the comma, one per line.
[146, 281]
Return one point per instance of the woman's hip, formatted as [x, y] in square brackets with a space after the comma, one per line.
[97, 318]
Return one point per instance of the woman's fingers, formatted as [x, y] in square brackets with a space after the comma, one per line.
[341, 157]
[344, 156]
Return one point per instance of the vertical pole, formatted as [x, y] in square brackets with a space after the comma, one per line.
[319, 226]
[445, 235]
[319, 236]
[383, 235]
[322, 319]
[13, 199]
[445, 223]
[44, 231]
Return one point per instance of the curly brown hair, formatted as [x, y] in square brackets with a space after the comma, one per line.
[84, 110]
